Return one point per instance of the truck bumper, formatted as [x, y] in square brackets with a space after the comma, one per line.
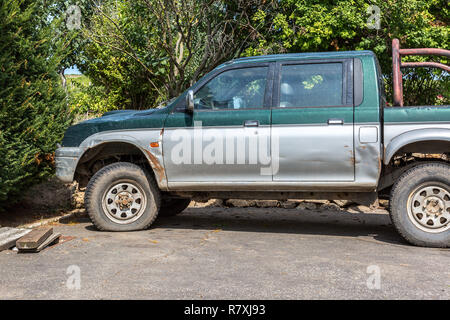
[66, 160]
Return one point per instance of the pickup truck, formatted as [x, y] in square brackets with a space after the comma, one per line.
[288, 126]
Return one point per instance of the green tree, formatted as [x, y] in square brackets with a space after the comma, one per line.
[143, 52]
[139, 53]
[33, 115]
[70, 16]
[313, 25]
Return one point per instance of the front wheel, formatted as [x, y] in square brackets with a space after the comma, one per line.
[122, 197]
[420, 205]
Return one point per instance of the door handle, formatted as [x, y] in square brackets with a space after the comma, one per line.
[251, 123]
[335, 121]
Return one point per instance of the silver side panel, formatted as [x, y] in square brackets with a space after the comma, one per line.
[314, 152]
[366, 167]
[141, 138]
[213, 154]
[367, 154]
[397, 135]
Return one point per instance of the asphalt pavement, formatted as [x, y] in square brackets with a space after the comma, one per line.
[232, 253]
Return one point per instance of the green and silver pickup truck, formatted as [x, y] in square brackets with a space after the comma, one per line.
[290, 126]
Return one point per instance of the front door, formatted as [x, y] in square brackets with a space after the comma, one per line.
[227, 138]
[312, 121]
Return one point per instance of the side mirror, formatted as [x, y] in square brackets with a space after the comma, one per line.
[190, 101]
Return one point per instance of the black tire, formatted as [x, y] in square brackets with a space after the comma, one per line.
[412, 194]
[172, 207]
[134, 177]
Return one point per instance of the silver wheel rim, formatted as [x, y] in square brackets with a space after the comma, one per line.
[124, 202]
[429, 208]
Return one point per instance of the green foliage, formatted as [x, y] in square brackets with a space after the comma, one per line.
[313, 25]
[143, 52]
[74, 48]
[33, 114]
[139, 53]
[88, 99]
[118, 80]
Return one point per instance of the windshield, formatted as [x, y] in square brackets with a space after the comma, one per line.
[165, 103]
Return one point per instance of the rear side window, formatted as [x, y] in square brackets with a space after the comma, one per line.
[311, 85]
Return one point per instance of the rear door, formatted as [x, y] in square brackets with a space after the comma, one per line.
[312, 121]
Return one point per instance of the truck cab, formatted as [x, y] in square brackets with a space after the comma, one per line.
[305, 126]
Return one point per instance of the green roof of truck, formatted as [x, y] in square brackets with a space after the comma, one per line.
[299, 56]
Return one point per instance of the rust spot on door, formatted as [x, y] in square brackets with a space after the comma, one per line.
[352, 157]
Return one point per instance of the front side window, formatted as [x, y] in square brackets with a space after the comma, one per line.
[233, 89]
[311, 85]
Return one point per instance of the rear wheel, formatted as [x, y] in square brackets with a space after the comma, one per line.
[420, 205]
[172, 207]
[122, 197]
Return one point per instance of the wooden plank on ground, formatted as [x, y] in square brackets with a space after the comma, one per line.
[51, 239]
[9, 236]
[34, 239]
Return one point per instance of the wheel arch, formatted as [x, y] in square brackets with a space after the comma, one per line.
[115, 150]
[434, 140]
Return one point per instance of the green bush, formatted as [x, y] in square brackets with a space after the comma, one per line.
[33, 107]
[312, 25]
[87, 100]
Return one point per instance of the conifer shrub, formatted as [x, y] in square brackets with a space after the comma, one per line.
[33, 108]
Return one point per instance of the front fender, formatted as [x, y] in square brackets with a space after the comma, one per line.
[67, 161]
[140, 138]
[430, 134]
